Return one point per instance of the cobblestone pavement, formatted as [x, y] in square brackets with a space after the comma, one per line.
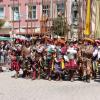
[22, 89]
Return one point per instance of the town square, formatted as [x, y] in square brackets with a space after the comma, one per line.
[49, 49]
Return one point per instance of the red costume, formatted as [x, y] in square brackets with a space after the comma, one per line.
[14, 63]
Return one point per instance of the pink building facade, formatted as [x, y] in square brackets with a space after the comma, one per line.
[26, 20]
[26, 15]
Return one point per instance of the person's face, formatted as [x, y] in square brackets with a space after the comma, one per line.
[71, 44]
[85, 43]
[13, 53]
[2, 43]
[27, 44]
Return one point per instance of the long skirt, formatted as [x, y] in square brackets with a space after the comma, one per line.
[15, 65]
[71, 65]
[1, 59]
[57, 68]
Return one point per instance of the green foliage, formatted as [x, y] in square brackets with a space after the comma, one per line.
[1, 23]
[59, 26]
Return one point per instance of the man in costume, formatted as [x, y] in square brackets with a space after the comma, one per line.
[27, 62]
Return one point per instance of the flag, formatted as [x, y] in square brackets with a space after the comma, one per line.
[88, 19]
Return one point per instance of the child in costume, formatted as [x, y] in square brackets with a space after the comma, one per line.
[57, 67]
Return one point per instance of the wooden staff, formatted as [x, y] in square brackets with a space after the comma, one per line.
[42, 18]
[19, 16]
[31, 4]
[97, 31]
[13, 19]
[79, 26]
[66, 17]
[51, 17]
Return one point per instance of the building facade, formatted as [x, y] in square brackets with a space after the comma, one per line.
[35, 16]
[32, 16]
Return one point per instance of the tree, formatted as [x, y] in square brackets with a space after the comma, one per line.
[59, 26]
[1, 22]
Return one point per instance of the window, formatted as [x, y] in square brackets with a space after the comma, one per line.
[1, 0]
[31, 12]
[60, 7]
[15, 13]
[1, 12]
[46, 10]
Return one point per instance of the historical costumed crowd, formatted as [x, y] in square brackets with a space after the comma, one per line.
[52, 59]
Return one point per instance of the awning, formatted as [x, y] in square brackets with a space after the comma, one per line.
[5, 38]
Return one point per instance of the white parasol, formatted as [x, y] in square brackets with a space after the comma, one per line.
[21, 37]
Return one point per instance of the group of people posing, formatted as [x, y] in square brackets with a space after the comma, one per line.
[52, 59]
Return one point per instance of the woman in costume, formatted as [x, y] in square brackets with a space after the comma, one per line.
[14, 63]
[72, 64]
